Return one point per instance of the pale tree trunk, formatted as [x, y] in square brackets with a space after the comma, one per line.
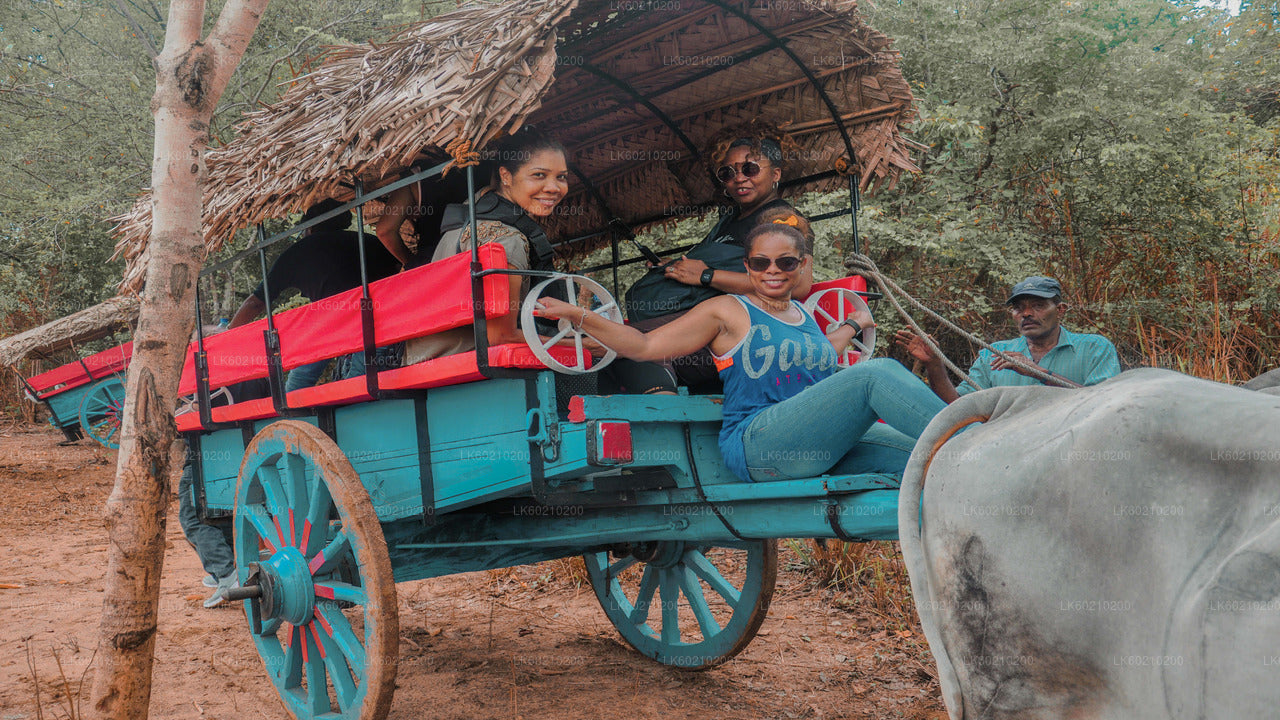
[191, 75]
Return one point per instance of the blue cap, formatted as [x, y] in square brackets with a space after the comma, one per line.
[1037, 286]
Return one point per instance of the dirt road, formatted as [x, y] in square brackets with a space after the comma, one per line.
[522, 643]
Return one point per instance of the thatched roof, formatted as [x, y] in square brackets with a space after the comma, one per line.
[634, 89]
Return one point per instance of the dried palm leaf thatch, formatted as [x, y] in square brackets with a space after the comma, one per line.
[633, 88]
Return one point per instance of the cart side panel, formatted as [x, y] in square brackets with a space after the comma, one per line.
[472, 437]
[479, 439]
[220, 455]
[381, 441]
[64, 408]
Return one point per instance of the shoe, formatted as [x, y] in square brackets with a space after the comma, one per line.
[219, 595]
[209, 581]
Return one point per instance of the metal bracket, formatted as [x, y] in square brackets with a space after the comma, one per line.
[543, 434]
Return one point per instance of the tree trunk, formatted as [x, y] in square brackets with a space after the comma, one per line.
[92, 323]
[190, 78]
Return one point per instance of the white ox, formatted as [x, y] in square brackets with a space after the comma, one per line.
[1110, 552]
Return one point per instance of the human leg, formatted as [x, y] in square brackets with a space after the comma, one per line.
[305, 376]
[209, 541]
[812, 432]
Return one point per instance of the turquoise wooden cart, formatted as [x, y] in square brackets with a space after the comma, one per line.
[486, 459]
[85, 397]
[507, 455]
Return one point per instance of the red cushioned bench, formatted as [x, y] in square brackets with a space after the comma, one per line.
[81, 372]
[423, 301]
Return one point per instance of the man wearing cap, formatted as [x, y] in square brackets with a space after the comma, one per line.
[1036, 306]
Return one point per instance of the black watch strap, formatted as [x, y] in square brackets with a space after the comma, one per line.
[707, 276]
[853, 324]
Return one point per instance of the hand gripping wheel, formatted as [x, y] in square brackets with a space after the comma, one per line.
[599, 302]
[829, 308]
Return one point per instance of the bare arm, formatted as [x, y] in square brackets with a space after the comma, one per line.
[249, 311]
[935, 372]
[502, 329]
[393, 216]
[694, 330]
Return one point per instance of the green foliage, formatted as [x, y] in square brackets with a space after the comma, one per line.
[76, 82]
[1120, 146]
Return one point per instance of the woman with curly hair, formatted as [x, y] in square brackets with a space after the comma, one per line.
[748, 163]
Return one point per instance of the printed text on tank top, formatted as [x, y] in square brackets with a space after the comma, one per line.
[759, 353]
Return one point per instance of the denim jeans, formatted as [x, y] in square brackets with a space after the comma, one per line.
[211, 542]
[305, 376]
[830, 427]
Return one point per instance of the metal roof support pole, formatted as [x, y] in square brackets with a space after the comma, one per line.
[202, 368]
[370, 342]
[270, 337]
[855, 204]
[480, 325]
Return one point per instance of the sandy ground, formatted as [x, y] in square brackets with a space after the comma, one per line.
[521, 643]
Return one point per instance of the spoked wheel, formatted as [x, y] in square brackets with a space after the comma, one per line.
[102, 411]
[685, 605]
[311, 555]
[191, 403]
[599, 302]
[830, 308]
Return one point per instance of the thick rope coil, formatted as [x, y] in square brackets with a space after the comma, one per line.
[460, 150]
[888, 288]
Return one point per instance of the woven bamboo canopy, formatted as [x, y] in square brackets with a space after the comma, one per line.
[633, 88]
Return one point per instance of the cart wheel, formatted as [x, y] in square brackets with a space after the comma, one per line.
[601, 303]
[309, 546]
[190, 403]
[711, 598]
[102, 410]
[863, 345]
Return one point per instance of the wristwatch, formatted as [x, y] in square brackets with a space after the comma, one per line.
[707, 276]
[851, 323]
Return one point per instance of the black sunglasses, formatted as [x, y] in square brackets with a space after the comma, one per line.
[786, 263]
[750, 169]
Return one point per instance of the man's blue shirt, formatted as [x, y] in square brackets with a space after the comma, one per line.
[1080, 357]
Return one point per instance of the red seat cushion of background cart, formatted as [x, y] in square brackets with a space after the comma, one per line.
[72, 375]
[418, 302]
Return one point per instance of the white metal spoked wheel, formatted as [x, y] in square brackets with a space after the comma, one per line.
[831, 313]
[600, 303]
[187, 403]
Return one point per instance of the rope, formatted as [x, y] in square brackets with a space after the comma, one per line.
[888, 288]
[460, 150]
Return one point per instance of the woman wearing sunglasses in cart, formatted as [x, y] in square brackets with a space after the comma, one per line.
[748, 164]
[788, 413]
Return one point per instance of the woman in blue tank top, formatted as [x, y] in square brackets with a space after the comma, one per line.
[788, 413]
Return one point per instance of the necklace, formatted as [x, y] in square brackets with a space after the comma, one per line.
[773, 308]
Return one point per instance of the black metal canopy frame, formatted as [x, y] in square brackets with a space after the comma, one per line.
[614, 226]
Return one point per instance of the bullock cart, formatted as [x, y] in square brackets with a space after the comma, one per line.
[506, 455]
[84, 397]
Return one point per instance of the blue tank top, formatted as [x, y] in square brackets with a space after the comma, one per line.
[774, 361]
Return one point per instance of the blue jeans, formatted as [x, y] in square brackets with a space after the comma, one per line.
[830, 427]
[305, 376]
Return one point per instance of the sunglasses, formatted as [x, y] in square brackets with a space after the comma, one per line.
[786, 263]
[750, 169]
